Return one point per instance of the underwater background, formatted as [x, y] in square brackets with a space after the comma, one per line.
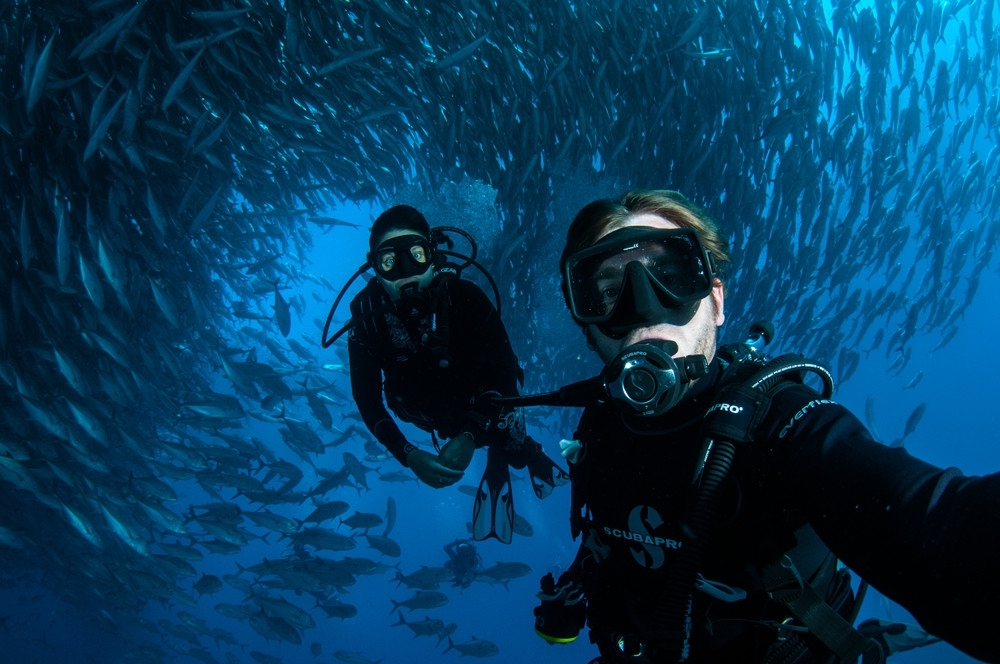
[187, 189]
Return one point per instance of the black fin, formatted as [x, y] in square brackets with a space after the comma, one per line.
[493, 509]
[545, 474]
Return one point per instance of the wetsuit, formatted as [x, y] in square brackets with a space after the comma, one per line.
[813, 478]
[439, 351]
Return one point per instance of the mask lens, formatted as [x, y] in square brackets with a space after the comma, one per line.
[674, 259]
[386, 261]
[419, 253]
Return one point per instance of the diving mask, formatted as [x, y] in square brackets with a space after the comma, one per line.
[402, 257]
[638, 275]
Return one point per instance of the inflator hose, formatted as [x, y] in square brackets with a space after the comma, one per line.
[674, 610]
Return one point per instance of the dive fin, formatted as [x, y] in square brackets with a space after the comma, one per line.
[545, 474]
[493, 509]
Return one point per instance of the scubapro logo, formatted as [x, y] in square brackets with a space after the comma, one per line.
[727, 408]
[641, 521]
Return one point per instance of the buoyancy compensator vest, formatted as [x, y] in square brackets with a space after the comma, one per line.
[740, 406]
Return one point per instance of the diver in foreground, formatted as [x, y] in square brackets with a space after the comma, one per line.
[443, 352]
[714, 491]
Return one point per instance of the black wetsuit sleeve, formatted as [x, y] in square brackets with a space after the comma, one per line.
[925, 537]
[491, 364]
[480, 327]
[366, 388]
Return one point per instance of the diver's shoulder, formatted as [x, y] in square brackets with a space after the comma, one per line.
[372, 294]
[456, 284]
[464, 293]
[797, 410]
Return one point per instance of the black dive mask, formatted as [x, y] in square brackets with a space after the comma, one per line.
[402, 257]
[639, 276]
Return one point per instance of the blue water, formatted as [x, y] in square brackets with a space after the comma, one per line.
[957, 386]
[37, 626]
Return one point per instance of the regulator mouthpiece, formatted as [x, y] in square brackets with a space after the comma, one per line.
[645, 379]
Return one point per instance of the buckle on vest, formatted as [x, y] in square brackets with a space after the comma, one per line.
[788, 628]
[782, 580]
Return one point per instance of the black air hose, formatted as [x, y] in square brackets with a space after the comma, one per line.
[673, 615]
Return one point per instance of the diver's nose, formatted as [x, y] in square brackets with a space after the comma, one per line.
[638, 301]
[642, 304]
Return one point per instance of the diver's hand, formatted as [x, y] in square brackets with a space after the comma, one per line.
[429, 469]
[457, 452]
[563, 611]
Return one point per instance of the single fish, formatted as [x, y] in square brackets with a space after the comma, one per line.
[914, 419]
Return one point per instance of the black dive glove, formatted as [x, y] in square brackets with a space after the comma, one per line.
[892, 637]
[563, 610]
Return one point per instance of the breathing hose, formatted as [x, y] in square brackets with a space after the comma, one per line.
[731, 421]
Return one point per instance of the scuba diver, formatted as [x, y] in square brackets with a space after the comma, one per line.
[438, 349]
[463, 561]
[714, 491]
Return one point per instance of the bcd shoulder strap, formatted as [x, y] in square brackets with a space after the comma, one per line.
[783, 583]
[746, 409]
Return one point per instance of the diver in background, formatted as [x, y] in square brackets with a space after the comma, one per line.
[435, 345]
[463, 561]
[712, 517]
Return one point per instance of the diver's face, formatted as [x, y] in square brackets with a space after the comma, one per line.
[694, 335]
[386, 261]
